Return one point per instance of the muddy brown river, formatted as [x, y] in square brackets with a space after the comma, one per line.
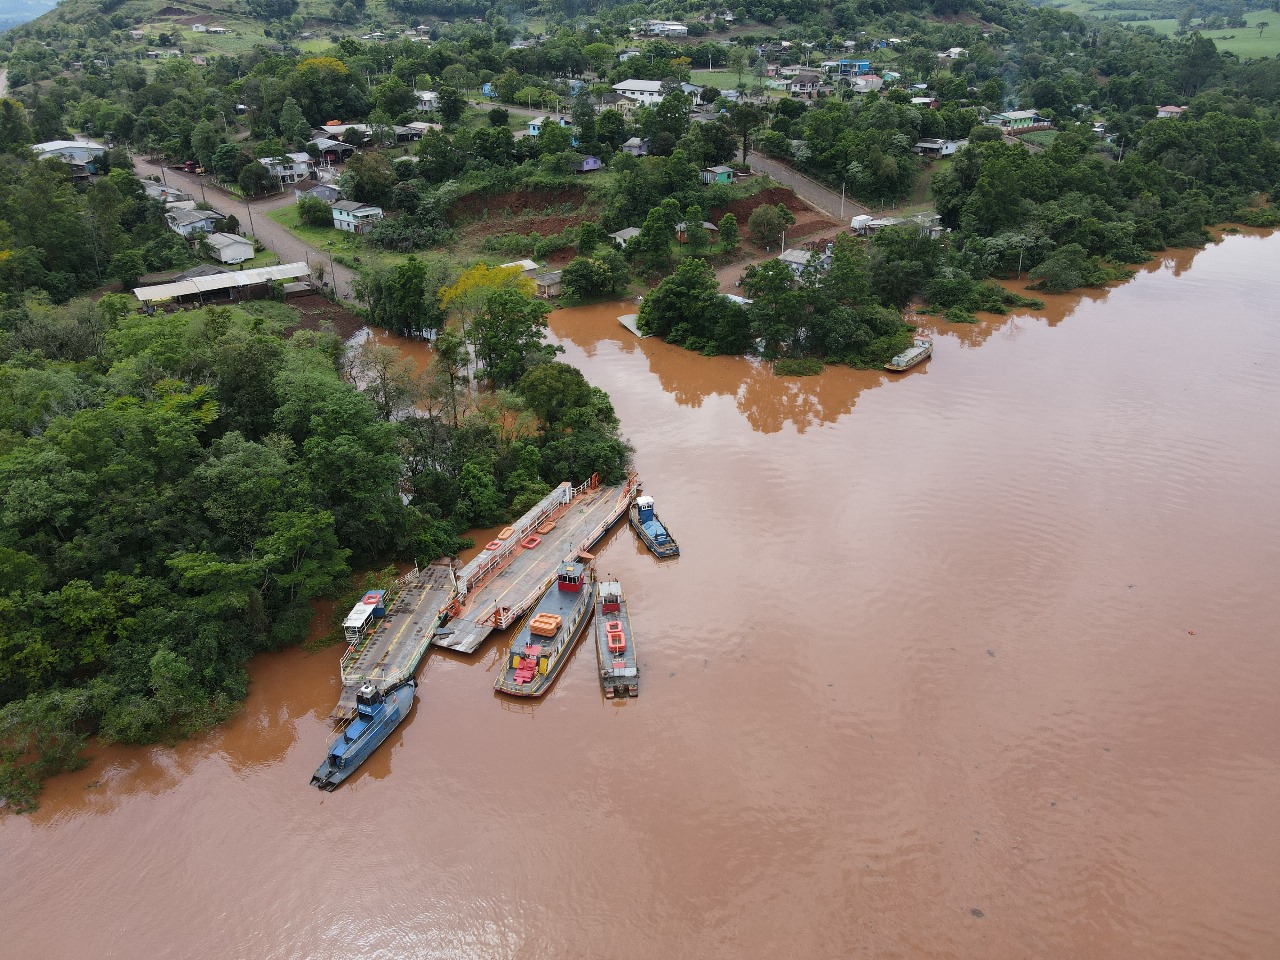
[980, 661]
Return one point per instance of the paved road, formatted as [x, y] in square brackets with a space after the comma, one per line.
[253, 219]
[4, 82]
[814, 193]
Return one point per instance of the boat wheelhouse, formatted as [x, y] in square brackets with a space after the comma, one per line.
[545, 640]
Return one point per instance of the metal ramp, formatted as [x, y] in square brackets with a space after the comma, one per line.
[393, 652]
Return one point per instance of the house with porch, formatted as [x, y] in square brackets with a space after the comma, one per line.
[192, 223]
[547, 285]
[617, 101]
[804, 85]
[937, 149]
[290, 168]
[356, 217]
[1016, 122]
[645, 92]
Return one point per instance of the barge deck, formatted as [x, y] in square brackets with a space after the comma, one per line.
[499, 585]
[392, 652]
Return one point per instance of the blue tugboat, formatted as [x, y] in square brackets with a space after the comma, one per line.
[545, 640]
[650, 529]
[377, 714]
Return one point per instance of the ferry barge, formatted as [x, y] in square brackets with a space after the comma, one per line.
[615, 643]
[545, 640]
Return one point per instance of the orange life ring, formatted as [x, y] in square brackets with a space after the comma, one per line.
[531, 541]
[617, 642]
[493, 545]
[370, 598]
[613, 626]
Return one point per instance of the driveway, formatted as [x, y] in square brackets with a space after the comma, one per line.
[812, 192]
[253, 218]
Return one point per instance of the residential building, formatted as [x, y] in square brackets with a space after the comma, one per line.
[428, 100]
[1018, 121]
[929, 103]
[547, 285]
[616, 101]
[935, 149]
[867, 84]
[76, 153]
[624, 236]
[198, 28]
[645, 92]
[682, 230]
[1170, 113]
[665, 28]
[189, 223]
[717, 175]
[355, 217]
[336, 130]
[217, 30]
[636, 147]
[325, 191]
[587, 165]
[170, 196]
[805, 85]
[290, 168]
[421, 126]
[798, 260]
[954, 53]
[229, 248]
[626, 55]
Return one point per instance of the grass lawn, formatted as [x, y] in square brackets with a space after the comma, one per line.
[347, 248]
[1244, 42]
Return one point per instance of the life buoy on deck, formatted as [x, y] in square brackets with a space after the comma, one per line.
[493, 545]
[531, 541]
[370, 599]
[613, 626]
[617, 641]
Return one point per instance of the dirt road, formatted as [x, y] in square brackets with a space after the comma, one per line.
[253, 220]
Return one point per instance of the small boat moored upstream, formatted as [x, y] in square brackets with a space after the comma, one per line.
[377, 714]
[545, 640]
[919, 351]
[615, 643]
[650, 529]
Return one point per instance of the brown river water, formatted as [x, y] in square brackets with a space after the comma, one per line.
[980, 661]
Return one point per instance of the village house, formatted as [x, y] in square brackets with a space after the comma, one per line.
[625, 55]
[954, 53]
[355, 217]
[81, 154]
[868, 84]
[718, 174]
[428, 100]
[166, 54]
[682, 230]
[1018, 121]
[1170, 113]
[338, 130]
[619, 102]
[290, 168]
[645, 92]
[625, 235]
[527, 267]
[547, 285]
[936, 149]
[171, 197]
[325, 191]
[587, 165]
[929, 103]
[804, 85]
[798, 260]
[189, 223]
[636, 147]
[229, 248]
[217, 30]
[665, 28]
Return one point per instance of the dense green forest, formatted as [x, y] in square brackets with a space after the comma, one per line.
[175, 488]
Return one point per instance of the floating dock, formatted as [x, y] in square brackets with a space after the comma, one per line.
[387, 654]
[500, 584]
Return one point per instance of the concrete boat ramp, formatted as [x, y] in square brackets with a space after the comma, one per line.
[509, 576]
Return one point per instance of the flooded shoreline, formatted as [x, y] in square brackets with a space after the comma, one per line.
[978, 660]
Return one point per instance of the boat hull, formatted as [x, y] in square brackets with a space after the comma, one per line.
[660, 550]
[345, 758]
[619, 669]
[575, 616]
[914, 361]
